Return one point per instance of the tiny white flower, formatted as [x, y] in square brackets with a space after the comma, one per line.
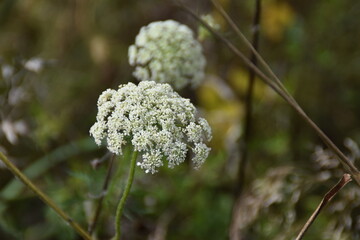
[132, 55]
[157, 121]
[203, 32]
[7, 71]
[167, 52]
[34, 65]
[206, 127]
[201, 152]
[194, 132]
[151, 161]
[37, 64]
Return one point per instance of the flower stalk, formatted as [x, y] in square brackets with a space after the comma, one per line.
[248, 121]
[121, 204]
[44, 197]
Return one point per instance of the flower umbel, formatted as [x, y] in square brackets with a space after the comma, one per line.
[160, 124]
[167, 52]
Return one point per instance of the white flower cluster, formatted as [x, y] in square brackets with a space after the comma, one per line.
[158, 122]
[166, 52]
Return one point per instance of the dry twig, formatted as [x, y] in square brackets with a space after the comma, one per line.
[248, 105]
[327, 198]
[48, 201]
[92, 225]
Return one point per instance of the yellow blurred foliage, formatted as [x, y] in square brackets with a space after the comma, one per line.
[239, 78]
[277, 17]
[223, 113]
[218, 17]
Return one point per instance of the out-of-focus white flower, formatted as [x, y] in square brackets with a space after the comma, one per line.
[7, 71]
[37, 64]
[166, 52]
[11, 129]
[34, 64]
[160, 124]
[203, 32]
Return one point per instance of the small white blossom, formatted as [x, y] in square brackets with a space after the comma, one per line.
[34, 64]
[206, 127]
[158, 122]
[194, 132]
[210, 21]
[166, 52]
[37, 64]
[7, 71]
[151, 161]
[201, 152]
[204, 32]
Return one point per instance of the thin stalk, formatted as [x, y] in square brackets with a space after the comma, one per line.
[248, 105]
[278, 88]
[44, 197]
[327, 198]
[121, 204]
[104, 191]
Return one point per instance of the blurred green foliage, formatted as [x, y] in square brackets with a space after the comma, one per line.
[56, 57]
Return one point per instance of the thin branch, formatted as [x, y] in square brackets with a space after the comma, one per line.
[346, 178]
[278, 88]
[248, 105]
[44, 197]
[92, 225]
[97, 162]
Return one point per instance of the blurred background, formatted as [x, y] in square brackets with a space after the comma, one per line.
[56, 57]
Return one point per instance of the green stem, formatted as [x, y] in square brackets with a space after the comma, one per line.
[121, 205]
[44, 197]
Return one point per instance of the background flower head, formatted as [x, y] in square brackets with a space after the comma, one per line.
[157, 121]
[167, 52]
